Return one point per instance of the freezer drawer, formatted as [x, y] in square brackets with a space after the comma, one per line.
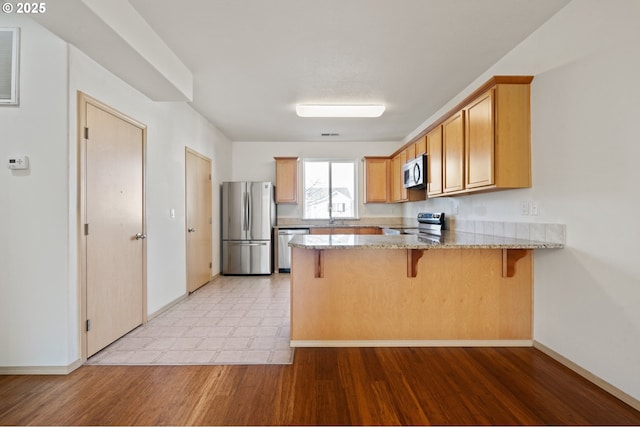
[246, 257]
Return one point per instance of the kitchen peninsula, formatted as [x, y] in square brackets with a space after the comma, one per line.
[374, 290]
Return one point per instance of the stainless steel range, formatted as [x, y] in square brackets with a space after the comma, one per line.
[430, 226]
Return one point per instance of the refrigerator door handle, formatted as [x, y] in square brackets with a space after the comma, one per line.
[245, 212]
[249, 219]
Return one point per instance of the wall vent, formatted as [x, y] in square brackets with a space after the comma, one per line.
[9, 58]
[329, 134]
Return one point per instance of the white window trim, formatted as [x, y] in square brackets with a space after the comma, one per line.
[355, 189]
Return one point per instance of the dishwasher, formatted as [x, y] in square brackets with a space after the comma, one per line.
[284, 251]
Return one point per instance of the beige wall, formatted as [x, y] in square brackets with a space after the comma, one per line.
[253, 161]
[38, 215]
[584, 129]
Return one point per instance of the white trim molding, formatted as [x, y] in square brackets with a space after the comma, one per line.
[40, 370]
[411, 343]
[609, 388]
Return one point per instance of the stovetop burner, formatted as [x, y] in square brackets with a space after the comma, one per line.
[430, 225]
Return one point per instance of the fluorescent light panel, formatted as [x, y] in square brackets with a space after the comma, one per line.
[306, 110]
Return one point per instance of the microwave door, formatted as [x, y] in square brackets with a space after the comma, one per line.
[416, 174]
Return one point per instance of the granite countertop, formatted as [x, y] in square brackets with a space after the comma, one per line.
[355, 225]
[449, 240]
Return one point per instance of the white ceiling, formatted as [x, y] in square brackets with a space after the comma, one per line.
[253, 60]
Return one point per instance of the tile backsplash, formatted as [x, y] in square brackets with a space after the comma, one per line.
[552, 233]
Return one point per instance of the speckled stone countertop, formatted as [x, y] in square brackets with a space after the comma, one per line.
[355, 225]
[449, 240]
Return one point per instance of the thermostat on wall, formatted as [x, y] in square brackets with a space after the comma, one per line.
[18, 162]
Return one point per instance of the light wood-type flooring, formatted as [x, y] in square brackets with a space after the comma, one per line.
[323, 386]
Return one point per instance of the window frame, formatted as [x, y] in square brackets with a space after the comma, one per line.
[331, 217]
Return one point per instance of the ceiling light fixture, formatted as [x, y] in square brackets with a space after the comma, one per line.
[306, 110]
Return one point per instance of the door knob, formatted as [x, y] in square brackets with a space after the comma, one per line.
[191, 229]
[140, 236]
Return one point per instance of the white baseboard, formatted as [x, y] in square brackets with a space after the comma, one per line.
[611, 389]
[411, 343]
[167, 306]
[40, 370]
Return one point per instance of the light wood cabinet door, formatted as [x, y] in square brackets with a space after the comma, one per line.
[420, 146]
[512, 127]
[402, 190]
[369, 230]
[396, 179]
[321, 230]
[453, 153]
[434, 161]
[398, 192]
[410, 152]
[286, 180]
[345, 230]
[479, 142]
[376, 179]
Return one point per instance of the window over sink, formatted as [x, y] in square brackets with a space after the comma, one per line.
[330, 189]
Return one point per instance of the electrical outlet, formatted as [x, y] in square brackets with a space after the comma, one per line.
[524, 208]
[534, 209]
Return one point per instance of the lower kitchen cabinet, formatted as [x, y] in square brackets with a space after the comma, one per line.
[369, 230]
[346, 230]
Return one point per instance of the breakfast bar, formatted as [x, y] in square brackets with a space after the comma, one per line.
[405, 290]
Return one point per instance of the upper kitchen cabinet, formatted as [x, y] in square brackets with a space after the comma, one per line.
[410, 152]
[286, 179]
[453, 153]
[420, 146]
[376, 179]
[484, 143]
[398, 192]
[498, 138]
[395, 182]
[433, 142]
[479, 144]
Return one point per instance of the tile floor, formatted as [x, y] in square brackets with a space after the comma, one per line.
[231, 320]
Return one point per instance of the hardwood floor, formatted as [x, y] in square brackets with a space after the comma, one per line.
[336, 386]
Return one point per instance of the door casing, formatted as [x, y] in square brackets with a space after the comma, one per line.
[82, 101]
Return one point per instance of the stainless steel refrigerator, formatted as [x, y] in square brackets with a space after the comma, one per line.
[248, 217]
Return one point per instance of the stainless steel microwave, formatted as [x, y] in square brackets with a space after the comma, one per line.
[414, 173]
